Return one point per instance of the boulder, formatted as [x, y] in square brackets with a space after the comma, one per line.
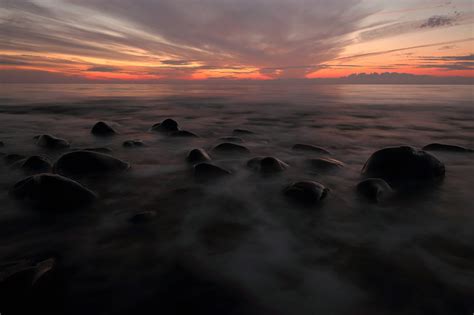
[446, 148]
[207, 171]
[88, 162]
[100, 150]
[197, 156]
[12, 158]
[243, 132]
[267, 165]
[306, 192]
[325, 164]
[232, 139]
[309, 148]
[374, 189]
[51, 142]
[52, 191]
[231, 148]
[404, 166]
[34, 165]
[167, 125]
[184, 134]
[101, 128]
[133, 143]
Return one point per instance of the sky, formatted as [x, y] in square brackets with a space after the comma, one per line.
[146, 40]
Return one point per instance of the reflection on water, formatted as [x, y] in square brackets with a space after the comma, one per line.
[239, 242]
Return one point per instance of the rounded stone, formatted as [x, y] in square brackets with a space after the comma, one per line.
[306, 192]
[309, 148]
[207, 171]
[325, 164]
[228, 147]
[167, 125]
[51, 142]
[446, 148]
[184, 134]
[243, 132]
[52, 191]
[133, 143]
[404, 165]
[197, 156]
[267, 165]
[101, 128]
[88, 162]
[374, 189]
[232, 139]
[34, 164]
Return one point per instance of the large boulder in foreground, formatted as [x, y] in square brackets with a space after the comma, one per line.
[404, 166]
[101, 128]
[52, 191]
[51, 142]
[88, 162]
[306, 192]
[267, 165]
[446, 148]
[206, 171]
[374, 189]
[167, 125]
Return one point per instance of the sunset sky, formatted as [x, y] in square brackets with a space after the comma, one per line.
[81, 40]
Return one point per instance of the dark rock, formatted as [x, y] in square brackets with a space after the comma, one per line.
[52, 191]
[100, 150]
[143, 217]
[325, 164]
[404, 166]
[133, 143]
[207, 171]
[446, 147]
[184, 134]
[374, 189]
[309, 148]
[103, 129]
[12, 158]
[267, 165]
[50, 142]
[228, 147]
[232, 139]
[243, 132]
[167, 125]
[34, 165]
[197, 156]
[306, 192]
[2, 144]
[88, 162]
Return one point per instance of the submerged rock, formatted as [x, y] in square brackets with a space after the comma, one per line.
[12, 158]
[197, 156]
[306, 192]
[207, 171]
[50, 142]
[101, 128]
[243, 132]
[309, 148]
[133, 143]
[184, 134]
[52, 191]
[325, 164]
[143, 217]
[446, 147]
[167, 125]
[267, 165]
[232, 139]
[374, 189]
[228, 147]
[404, 166]
[88, 162]
[34, 164]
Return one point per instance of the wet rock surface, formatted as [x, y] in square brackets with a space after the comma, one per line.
[88, 162]
[51, 142]
[374, 189]
[325, 164]
[267, 165]
[242, 132]
[167, 125]
[102, 128]
[309, 148]
[306, 192]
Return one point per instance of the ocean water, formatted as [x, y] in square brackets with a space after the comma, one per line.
[238, 246]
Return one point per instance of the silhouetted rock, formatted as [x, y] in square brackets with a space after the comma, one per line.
[34, 165]
[12, 158]
[143, 217]
[167, 125]
[232, 139]
[228, 147]
[52, 191]
[306, 192]
[374, 189]
[103, 129]
[243, 132]
[50, 142]
[325, 164]
[267, 165]
[207, 171]
[446, 147]
[184, 134]
[88, 162]
[309, 148]
[197, 156]
[404, 166]
[133, 143]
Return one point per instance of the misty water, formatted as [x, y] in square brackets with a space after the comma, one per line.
[238, 246]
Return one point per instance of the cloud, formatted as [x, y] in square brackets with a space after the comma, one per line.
[438, 21]
[103, 69]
